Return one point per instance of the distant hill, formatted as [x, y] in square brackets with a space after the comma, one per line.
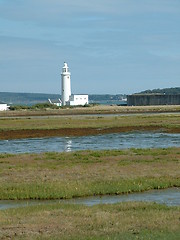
[167, 91]
[26, 98]
[34, 98]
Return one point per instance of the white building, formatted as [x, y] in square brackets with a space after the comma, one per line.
[3, 106]
[75, 100]
[58, 104]
[66, 97]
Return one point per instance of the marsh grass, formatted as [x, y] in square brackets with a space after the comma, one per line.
[6, 155]
[166, 121]
[65, 221]
[87, 173]
[68, 189]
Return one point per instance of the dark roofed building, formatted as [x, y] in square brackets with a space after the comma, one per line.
[153, 99]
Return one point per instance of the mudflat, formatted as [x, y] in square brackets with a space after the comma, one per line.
[35, 133]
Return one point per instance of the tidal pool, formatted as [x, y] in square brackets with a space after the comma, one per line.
[96, 142]
[170, 197]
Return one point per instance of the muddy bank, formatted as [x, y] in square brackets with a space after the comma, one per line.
[35, 133]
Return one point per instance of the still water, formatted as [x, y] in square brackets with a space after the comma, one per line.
[170, 197]
[98, 142]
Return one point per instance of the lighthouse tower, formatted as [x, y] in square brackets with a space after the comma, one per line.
[65, 84]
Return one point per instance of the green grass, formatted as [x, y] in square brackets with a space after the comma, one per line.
[60, 190]
[5, 155]
[87, 173]
[117, 221]
[166, 121]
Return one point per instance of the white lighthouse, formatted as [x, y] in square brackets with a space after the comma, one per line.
[65, 84]
[66, 97]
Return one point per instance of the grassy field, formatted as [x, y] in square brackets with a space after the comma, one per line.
[86, 125]
[100, 109]
[87, 173]
[164, 121]
[124, 221]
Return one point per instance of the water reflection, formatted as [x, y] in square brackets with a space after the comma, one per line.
[68, 145]
[106, 141]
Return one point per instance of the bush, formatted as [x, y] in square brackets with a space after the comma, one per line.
[36, 106]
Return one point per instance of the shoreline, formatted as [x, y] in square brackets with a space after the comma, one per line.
[128, 192]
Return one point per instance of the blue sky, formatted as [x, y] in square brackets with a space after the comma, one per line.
[111, 46]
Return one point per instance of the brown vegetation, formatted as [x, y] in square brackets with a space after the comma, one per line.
[12, 128]
[34, 133]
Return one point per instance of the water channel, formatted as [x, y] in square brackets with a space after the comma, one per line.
[170, 197]
[137, 139]
[97, 142]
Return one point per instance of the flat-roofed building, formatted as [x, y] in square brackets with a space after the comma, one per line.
[75, 100]
[153, 99]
